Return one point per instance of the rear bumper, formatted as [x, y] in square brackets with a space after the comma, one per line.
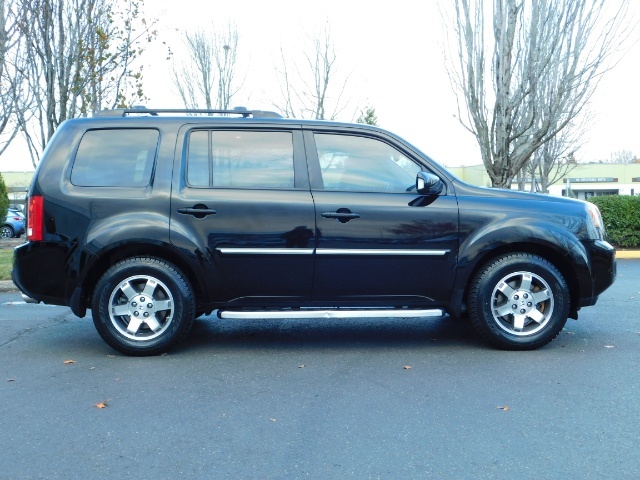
[39, 272]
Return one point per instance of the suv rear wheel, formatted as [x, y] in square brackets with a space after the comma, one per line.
[518, 301]
[143, 306]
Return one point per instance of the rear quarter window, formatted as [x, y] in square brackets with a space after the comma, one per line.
[115, 158]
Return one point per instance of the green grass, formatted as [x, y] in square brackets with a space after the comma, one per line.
[6, 261]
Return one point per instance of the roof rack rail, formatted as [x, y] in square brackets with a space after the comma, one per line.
[142, 110]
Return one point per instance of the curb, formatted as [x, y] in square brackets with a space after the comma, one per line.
[7, 286]
[627, 254]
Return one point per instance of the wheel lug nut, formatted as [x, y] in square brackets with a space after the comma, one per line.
[146, 314]
[149, 305]
[514, 306]
[135, 314]
[516, 297]
[529, 304]
[142, 299]
[525, 296]
[134, 304]
[522, 311]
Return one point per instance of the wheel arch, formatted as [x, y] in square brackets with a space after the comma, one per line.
[120, 251]
[561, 260]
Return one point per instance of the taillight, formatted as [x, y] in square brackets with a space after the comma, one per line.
[35, 219]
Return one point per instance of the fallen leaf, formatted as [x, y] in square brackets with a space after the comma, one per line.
[67, 362]
[300, 366]
[102, 404]
[504, 407]
[92, 368]
[407, 367]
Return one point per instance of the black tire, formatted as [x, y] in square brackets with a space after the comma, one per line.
[143, 306]
[6, 231]
[518, 301]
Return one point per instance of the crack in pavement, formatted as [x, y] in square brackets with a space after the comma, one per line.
[56, 321]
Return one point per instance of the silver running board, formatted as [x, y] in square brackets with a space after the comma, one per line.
[329, 313]
[28, 299]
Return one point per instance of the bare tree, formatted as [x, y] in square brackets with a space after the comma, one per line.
[207, 78]
[308, 91]
[547, 59]
[80, 56]
[623, 156]
[553, 161]
[13, 99]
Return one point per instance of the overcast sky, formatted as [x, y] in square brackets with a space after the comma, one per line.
[392, 54]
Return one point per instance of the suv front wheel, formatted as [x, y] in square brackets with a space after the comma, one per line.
[518, 301]
[143, 306]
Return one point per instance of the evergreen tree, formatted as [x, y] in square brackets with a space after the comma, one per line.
[368, 116]
[4, 198]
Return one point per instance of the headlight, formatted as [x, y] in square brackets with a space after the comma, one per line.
[595, 226]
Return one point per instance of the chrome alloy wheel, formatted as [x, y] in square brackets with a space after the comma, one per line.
[522, 303]
[141, 307]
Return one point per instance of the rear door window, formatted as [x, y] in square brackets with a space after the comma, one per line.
[240, 159]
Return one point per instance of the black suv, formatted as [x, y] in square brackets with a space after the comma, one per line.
[151, 218]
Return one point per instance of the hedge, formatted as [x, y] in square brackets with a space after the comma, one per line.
[621, 216]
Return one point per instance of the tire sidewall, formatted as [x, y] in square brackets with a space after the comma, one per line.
[183, 305]
[8, 229]
[481, 299]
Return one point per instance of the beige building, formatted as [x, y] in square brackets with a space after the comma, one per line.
[17, 185]
[586, 180]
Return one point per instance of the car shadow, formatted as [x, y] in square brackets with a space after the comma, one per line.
[211, 331]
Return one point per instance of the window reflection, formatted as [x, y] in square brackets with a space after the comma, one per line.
[240, 159]
[363, 164]
[115, 158]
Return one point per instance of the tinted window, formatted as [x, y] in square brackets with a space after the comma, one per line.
[240, 159]
[198, 173]
[363, 164]
[115, 158]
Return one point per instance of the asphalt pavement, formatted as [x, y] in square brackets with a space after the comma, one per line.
[322, 399]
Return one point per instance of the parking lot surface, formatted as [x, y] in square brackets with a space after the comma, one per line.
[402, 398]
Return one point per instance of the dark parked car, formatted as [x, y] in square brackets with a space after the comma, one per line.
[151, 218]
[13, 225]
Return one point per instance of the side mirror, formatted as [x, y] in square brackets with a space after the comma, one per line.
[428, 184]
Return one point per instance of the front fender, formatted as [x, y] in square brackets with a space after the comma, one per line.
[549, 240]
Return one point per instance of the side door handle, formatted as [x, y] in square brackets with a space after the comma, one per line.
[343, 215]
[198, 211]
